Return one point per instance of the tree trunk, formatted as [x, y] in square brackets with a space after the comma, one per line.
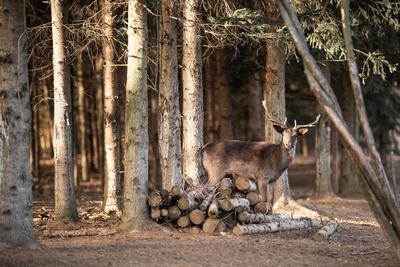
[65, 203]
[255, 108]
[192, 123]
[210, 100]
[169, 124]
[16, 227]
[335, 159]
[111, 117]
[223, 95]
[135, 213]
[100, 114]
[155, 178]
[82, 119]
[274, 95]
[323, 184]
[348, 179]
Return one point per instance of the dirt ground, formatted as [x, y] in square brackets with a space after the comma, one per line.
[359, 240]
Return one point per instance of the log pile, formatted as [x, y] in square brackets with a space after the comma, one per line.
[231, 205]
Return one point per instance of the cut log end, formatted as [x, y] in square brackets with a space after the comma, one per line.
[197, 217]
[326, 231]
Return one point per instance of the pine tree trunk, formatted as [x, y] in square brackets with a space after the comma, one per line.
[100, 114]
[210, 100]
[84, 171]
[169, 125]
[223, 94]
[135, 212]
[155, 178]
[274, 95]
[16, 227]
[111, 117]
[323, 184]
[335, 159]
[65, 203]
[255, 108]
[192, 123]
[348, 179]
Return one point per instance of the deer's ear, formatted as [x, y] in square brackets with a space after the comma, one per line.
[302, 131]
[278, 128]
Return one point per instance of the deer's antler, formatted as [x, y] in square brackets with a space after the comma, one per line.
[268, 116]
[310, 125]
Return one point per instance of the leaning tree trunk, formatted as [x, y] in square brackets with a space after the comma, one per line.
[135, 213]
[16, 227]
[274, 95]
[82, 119]
[223, 95]
[323, 184]
[374, 183]
[192, 123]
[65, 203]
[169, 125]
[111, 117]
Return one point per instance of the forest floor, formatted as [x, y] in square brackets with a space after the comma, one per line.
[359, 240]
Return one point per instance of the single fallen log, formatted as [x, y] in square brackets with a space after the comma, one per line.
[326, 231]
[262, 207]
[245, 184]
[177, 191]
[213, 226]
[164, 213]
[174, 212]
[291, 224]
[76, 233]
[155, 213]
[213, 209]
[197, 216]
[183, 221]
[253, 198]
[155, 199]
[230, 204]
[247, 217]
[225, 188]
[205, 203]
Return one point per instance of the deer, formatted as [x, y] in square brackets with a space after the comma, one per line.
[260, 161]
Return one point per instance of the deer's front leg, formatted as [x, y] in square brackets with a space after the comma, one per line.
[267, 192]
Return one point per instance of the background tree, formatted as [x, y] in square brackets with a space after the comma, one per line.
[169, 125]
[192, 110]
[135, 212]
[15, 176]
[65, 203]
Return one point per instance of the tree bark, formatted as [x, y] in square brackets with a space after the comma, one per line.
[169, 124]
[274, 95]
[65, 203]
[210, 113]
[255, 108]
[192, 123]
[223, 93]
[135, 213]
[323, 184]
[82, 119]
[100, 114]
[15, 177]
[111, 117]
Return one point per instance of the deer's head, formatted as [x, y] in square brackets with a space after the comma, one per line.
[290, 134]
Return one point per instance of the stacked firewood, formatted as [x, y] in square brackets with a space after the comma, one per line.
[231, 205]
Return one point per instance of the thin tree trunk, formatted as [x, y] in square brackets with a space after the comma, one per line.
[135, 213]
[65, 203]
[35, 129]
[84, 169]
[223, 95]
[155, 179]
[169, 124]
[111, 119]
[210, 100]
[274, 95]
[335, 159]
[255, 108]
[192, 123]
[100, 114]
[323, 184]
[380, 199]
[16, 227]
[348, 178]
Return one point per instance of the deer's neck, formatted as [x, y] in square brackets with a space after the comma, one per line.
[287, 156]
